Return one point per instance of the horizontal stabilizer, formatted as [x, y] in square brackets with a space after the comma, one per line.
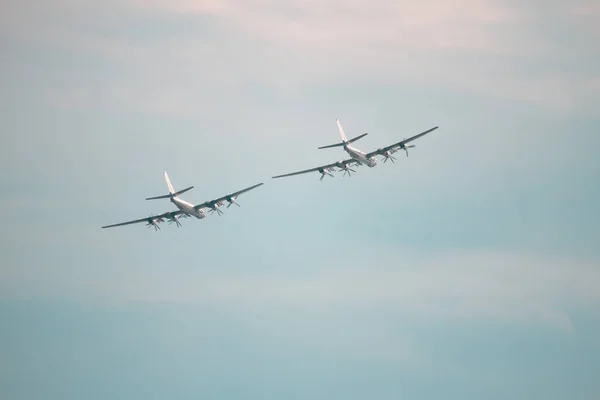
[166, 196]
[344, 143]
[358, 137]
[332, 145]
[182, 191]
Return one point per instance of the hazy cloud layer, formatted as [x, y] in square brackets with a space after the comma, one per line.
[509, 287]
[500, 49]
[469, 269]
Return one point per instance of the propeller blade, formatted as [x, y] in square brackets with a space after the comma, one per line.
[324, 172]
[232, 201]
[176, 220]
[216, 210]
[388, 156]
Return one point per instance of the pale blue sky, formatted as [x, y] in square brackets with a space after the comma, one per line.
[469, 270]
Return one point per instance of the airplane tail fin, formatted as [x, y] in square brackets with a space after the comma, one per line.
[169, 183]
[342, 134]
[345, 141]
[172, 192]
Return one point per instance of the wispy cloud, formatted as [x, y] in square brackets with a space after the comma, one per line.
[431, 42]
[489, 47]
[350, 25]
[516, 288]
[586, 8]
[587, 13]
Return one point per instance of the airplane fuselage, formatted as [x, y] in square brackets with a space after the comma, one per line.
[360, 156]
[187, 207]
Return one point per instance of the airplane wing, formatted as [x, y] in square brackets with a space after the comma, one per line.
[400, 144]
[229, 198]
[324, 169]
[152, 220]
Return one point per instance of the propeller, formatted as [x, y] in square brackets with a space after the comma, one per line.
[215, 208]
[154, 221]
[403, 147]
[345, 167]
[324, 172]
[388, 155]
[175, 219]
[406, 148]
[231, 201]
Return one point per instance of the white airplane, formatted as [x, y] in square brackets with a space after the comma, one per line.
[358, 157]
[185, 209]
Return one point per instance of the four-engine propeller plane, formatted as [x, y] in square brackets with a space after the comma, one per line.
[358, 157]
[186, 209]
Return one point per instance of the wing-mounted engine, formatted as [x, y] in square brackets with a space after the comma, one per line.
[325, 171]
[214, 207]
[231, 200]
[344, 167]
[154, 221]
[387, 155]
[174, 218]
[403, 147]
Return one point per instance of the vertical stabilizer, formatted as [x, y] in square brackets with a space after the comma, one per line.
[172, 192]
[341, 131]
[169, 183]
[345, 141]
